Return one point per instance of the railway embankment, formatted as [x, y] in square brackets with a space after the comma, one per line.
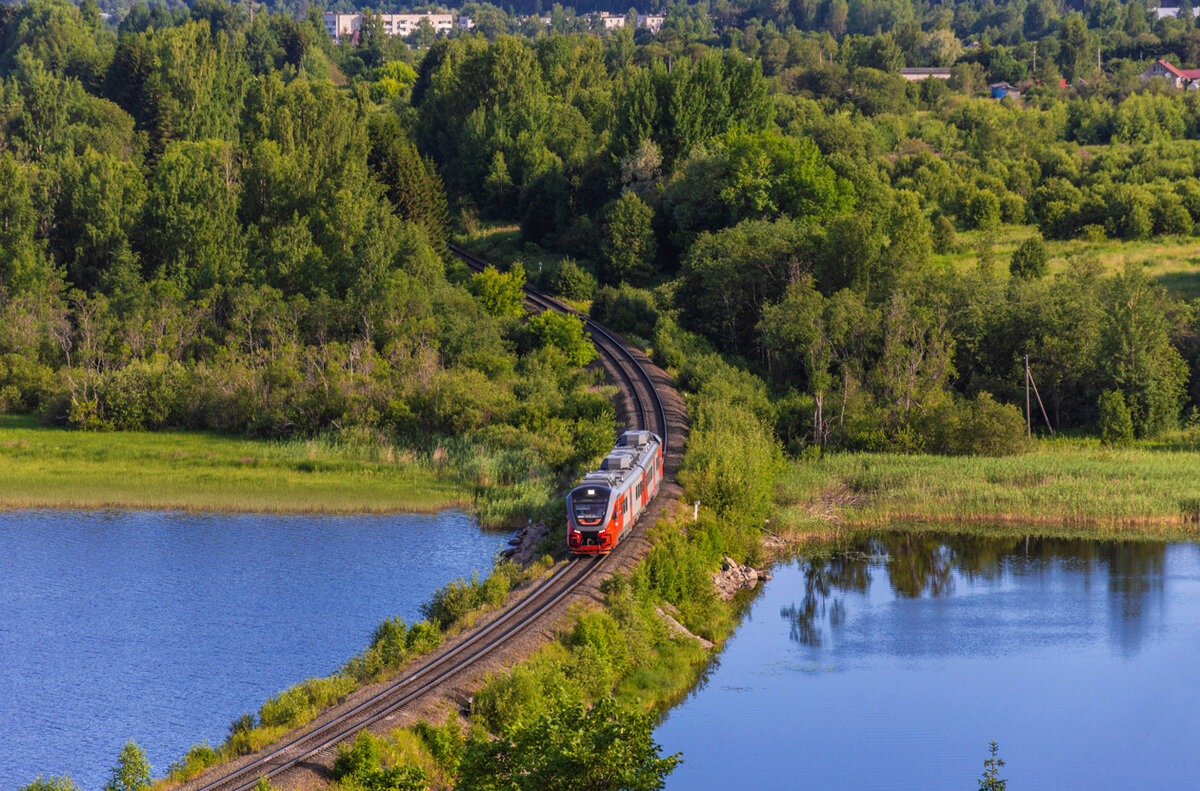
[490, 643]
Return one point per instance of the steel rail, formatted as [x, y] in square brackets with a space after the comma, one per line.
[331, 733]
[544, 300]
[347, 723]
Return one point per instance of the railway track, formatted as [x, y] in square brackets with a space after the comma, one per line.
[648, 405]
[647, 412]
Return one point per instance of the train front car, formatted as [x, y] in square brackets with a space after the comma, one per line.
[608, 500]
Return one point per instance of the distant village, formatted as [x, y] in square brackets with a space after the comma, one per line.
[346, 27]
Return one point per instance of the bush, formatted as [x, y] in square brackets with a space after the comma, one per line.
[51, 783]
[24, 384]
[1116, 424]
[197, 758]
[571, 281]
[296, 705]
[627, 310]
[944, 238]
[1029, 259]
[511, 700]
[976, 427]
[358, 760]
[445, 743]
[564, 332]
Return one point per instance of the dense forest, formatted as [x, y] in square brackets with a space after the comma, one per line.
[217, 223]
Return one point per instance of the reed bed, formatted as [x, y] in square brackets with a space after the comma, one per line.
[1149, 489]
[44, 467]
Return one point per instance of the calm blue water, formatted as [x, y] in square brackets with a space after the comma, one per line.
[163, 627]
[894, 665]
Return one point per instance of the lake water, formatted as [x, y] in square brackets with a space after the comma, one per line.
[895, 664]
[163, 627]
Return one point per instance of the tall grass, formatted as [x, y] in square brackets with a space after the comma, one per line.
[1173, 261]
[1150, 488]
[44, 467]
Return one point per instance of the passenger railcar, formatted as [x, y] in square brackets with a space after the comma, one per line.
[607, 501]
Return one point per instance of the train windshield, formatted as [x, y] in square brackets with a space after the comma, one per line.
[589, 510]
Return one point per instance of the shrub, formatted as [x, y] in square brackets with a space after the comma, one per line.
[445, 742]
[239, 741]
[565, 333]
[627, 310]
[358, 760]
[295, 705]
[510, 700]
[51, 783]
[944, 238]
[24, 384]
[1029, 259]
[198, 757]
[571, 281]
[1116, 424]
[976, 427]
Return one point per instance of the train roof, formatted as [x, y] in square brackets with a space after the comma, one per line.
[623, 460]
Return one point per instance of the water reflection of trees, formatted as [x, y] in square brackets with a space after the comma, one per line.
[846, 572]
[919, 564]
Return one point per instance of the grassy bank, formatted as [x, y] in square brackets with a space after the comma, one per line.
[1172, 261]
[1152, 489]
[44, 467]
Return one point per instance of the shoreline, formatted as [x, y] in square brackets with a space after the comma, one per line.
[7, 506]
[53, 468]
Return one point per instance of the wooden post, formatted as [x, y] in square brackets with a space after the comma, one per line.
[1028, 419]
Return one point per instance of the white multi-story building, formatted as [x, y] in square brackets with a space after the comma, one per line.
[653, 23]
[348, 26]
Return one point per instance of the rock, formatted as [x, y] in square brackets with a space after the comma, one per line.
[734, 577]
[679, 629]
[526, 542]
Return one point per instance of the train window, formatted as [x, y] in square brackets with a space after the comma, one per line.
[589, 511]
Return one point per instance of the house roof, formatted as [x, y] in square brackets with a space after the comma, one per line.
[926, 70]
[1184, 74]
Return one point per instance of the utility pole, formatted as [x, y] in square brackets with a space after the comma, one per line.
[1028, 418]
[1035, 59]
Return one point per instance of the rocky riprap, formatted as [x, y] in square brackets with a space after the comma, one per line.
[734, 578]
[524, 544]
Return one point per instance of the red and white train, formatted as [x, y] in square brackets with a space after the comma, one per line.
[607, 501]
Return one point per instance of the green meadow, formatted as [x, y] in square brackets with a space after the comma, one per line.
[43, 467]
[1078, 485]
[1174, 261]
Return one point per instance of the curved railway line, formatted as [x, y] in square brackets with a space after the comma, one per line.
[645, 410]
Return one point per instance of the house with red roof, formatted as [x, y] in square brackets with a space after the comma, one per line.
[1177, 77]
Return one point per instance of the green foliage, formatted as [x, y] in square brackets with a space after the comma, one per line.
[198, 758]
[976, 427]
[569, 747]
[626, 309]
[571, 281]
[991, 781]
[628, 246]
[132, 772]
[51, 783]
[1029, 259]
[1116, 424]
[358, 759]
[501, 294]
[297, 705]
[451, 602]
[445, 743]
[564, 331]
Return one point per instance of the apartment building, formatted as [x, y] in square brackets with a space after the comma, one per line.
[348, 26]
